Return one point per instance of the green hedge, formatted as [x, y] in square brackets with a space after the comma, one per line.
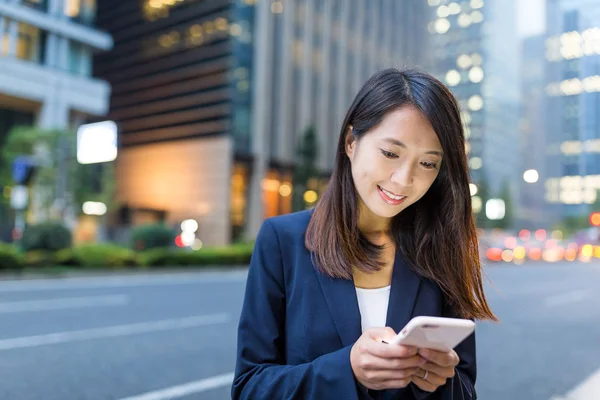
[100, 255]
[49, 236]
[152, 236]
[10, 258]
[231, 255]
[113, 256]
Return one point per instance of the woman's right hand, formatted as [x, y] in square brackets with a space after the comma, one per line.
[378, 365]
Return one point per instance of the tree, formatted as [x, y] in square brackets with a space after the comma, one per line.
[505, 195]
[306, 168]
[483, 191]
[58, 174]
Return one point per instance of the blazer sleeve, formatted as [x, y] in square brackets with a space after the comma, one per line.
[462, 385]
[261, 371]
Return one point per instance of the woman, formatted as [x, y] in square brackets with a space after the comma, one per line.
[391, 238]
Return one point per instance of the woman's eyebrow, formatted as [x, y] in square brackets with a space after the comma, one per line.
[396, 142]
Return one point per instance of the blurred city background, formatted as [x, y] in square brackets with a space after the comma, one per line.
[143, 139]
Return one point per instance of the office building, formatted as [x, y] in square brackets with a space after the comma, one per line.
[532, 211]
[573, 113]
[476, 53]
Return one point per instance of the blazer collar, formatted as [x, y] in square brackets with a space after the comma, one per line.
[340, 296]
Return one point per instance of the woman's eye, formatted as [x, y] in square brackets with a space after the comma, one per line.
[429, 165]
[389, 154]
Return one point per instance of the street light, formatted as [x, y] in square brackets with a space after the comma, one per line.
[531, 176]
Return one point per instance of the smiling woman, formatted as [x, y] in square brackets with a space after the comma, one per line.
[392, 238]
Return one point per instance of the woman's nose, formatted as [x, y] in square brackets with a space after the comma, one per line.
[403, 176]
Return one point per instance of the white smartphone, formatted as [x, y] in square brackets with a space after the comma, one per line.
[437, 333]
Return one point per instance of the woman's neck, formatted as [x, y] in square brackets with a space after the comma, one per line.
[372, 226]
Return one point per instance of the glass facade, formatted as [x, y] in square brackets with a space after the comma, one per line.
[241, 82]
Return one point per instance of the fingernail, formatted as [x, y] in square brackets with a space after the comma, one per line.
[423, 361]
[424, 352]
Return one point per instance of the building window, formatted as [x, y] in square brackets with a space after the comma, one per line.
[239, 193]
[79, 59]
[28, 43]
[83, 11]
[37, 4]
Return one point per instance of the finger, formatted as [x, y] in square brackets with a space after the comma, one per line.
[393, 384]
[449, 359]
[380, 334]
[372, 362]
[431, 377]
[383, 375]
[445, 372]
[386, 350]
[424, 385]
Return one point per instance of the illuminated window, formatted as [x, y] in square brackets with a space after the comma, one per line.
[442, 26]
[81, 10]
[476, 74]
[464, 20]
[464, 61]
[453, 77]
[475, 103]
[28, 43]
[475, 163]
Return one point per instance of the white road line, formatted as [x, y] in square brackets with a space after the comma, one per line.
[574, 296]
[113, 331]
[186, 389]
[62, 303]
[122, 281]
[586, 390]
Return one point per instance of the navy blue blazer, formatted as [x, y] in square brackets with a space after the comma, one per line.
[297, 325]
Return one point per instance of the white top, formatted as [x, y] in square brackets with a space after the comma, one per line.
[373, 305]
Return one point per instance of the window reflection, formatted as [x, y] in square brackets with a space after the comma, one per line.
[83, 11]
[28, 43]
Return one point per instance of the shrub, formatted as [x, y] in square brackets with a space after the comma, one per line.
[38, 258]
[97, 255]
[10, 258]
[49, 236]
[231, 255]
[152, 236]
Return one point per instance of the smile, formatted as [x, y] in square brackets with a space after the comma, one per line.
[389, 197]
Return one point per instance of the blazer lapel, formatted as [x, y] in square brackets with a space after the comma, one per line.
[403, 293]
[340, 296]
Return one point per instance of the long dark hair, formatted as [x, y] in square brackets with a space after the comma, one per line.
[436, 234]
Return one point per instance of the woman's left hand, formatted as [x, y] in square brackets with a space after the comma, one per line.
[439, 367]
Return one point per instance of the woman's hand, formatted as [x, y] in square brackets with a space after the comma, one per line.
[378, 365]
[439, 367]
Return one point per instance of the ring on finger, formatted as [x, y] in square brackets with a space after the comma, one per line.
[424, 377]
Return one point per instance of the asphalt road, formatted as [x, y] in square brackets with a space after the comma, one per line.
[159, 337]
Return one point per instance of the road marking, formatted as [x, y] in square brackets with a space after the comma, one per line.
[113, 331]
[186, 389]
[63, 303]
[574, 296]
[586, 390]
[122, 281]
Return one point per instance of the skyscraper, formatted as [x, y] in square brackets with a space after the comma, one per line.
[212, 97]
[573, 114]
[476, 53]
[532, 212]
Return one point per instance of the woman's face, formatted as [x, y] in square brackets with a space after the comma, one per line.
[395, 163]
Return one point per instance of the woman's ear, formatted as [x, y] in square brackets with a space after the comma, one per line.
[350, 143]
